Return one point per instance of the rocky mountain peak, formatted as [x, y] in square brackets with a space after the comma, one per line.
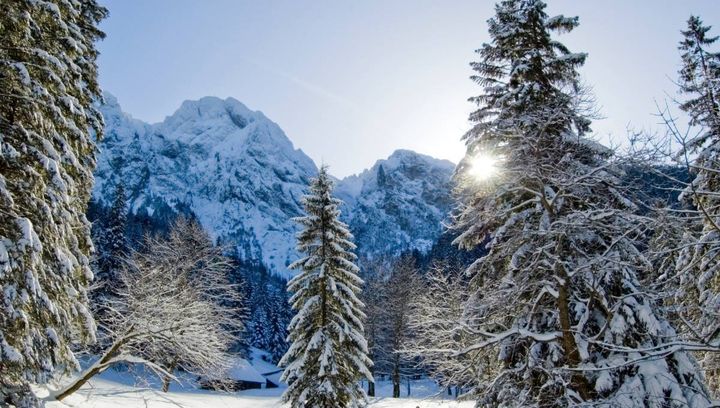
[239, 173]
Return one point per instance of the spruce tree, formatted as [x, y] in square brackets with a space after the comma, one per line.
[259, 329]
[697, 264]
[113, 246]
[328, 354]
[381, 177]
[277, 322]
[48, 84]
[259, 301]
[700, 78]
[557, 297]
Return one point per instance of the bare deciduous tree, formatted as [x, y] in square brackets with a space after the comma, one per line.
[374, 298]
[174, 309]
[439, 325]
[399, 291]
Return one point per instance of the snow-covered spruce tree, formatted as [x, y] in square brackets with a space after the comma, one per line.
[700, 79]
[698, 262]
[48, 83]
[111, 244]
[259, 300]
[557, 297]
[258, 333]
[115, 242]
[328, 352]
[277, 321]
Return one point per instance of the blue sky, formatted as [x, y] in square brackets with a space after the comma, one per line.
[351, 81]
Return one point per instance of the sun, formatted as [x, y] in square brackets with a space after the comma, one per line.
[484, 167]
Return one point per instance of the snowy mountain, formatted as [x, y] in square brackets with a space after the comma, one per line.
[399, 204]
[238, 172]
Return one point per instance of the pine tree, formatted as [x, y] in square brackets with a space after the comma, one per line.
[259, 304]
[381, 177]
[328, 353]
[259, 330]
[557, 298]
[277, 322]
[113, 246]
[48, 83]
[700, 78]
[697, 263]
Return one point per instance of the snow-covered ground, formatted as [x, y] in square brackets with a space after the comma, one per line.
[119, 389]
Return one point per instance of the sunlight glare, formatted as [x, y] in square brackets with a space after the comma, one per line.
[483, 167]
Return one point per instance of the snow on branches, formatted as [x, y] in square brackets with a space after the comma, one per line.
[694, 283]
[174, 308]
[48, 84]
[558, 295]
[328, 354]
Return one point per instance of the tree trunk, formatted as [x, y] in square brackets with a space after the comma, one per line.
[96, 368]
[371, 389]
[572, 354]
[396, 381]
[167, 379]
[166, 383]
[408, 386]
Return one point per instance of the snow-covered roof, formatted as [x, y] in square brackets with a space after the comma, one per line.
[275, 378]
[259, 359]
[242, 370]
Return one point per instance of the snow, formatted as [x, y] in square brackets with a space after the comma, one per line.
[260, 359]
[10, 353]
[29, 237]
[4, 259]
[399, 204]
[23, 72]
[604, 381]
[116, 389]
[242, 370]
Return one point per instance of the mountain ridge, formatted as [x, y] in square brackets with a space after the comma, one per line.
[244, 179]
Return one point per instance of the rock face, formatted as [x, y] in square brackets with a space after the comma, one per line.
[238, 172]
[399, 204]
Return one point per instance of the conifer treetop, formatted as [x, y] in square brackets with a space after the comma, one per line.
[524, 72]
[699, 79]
